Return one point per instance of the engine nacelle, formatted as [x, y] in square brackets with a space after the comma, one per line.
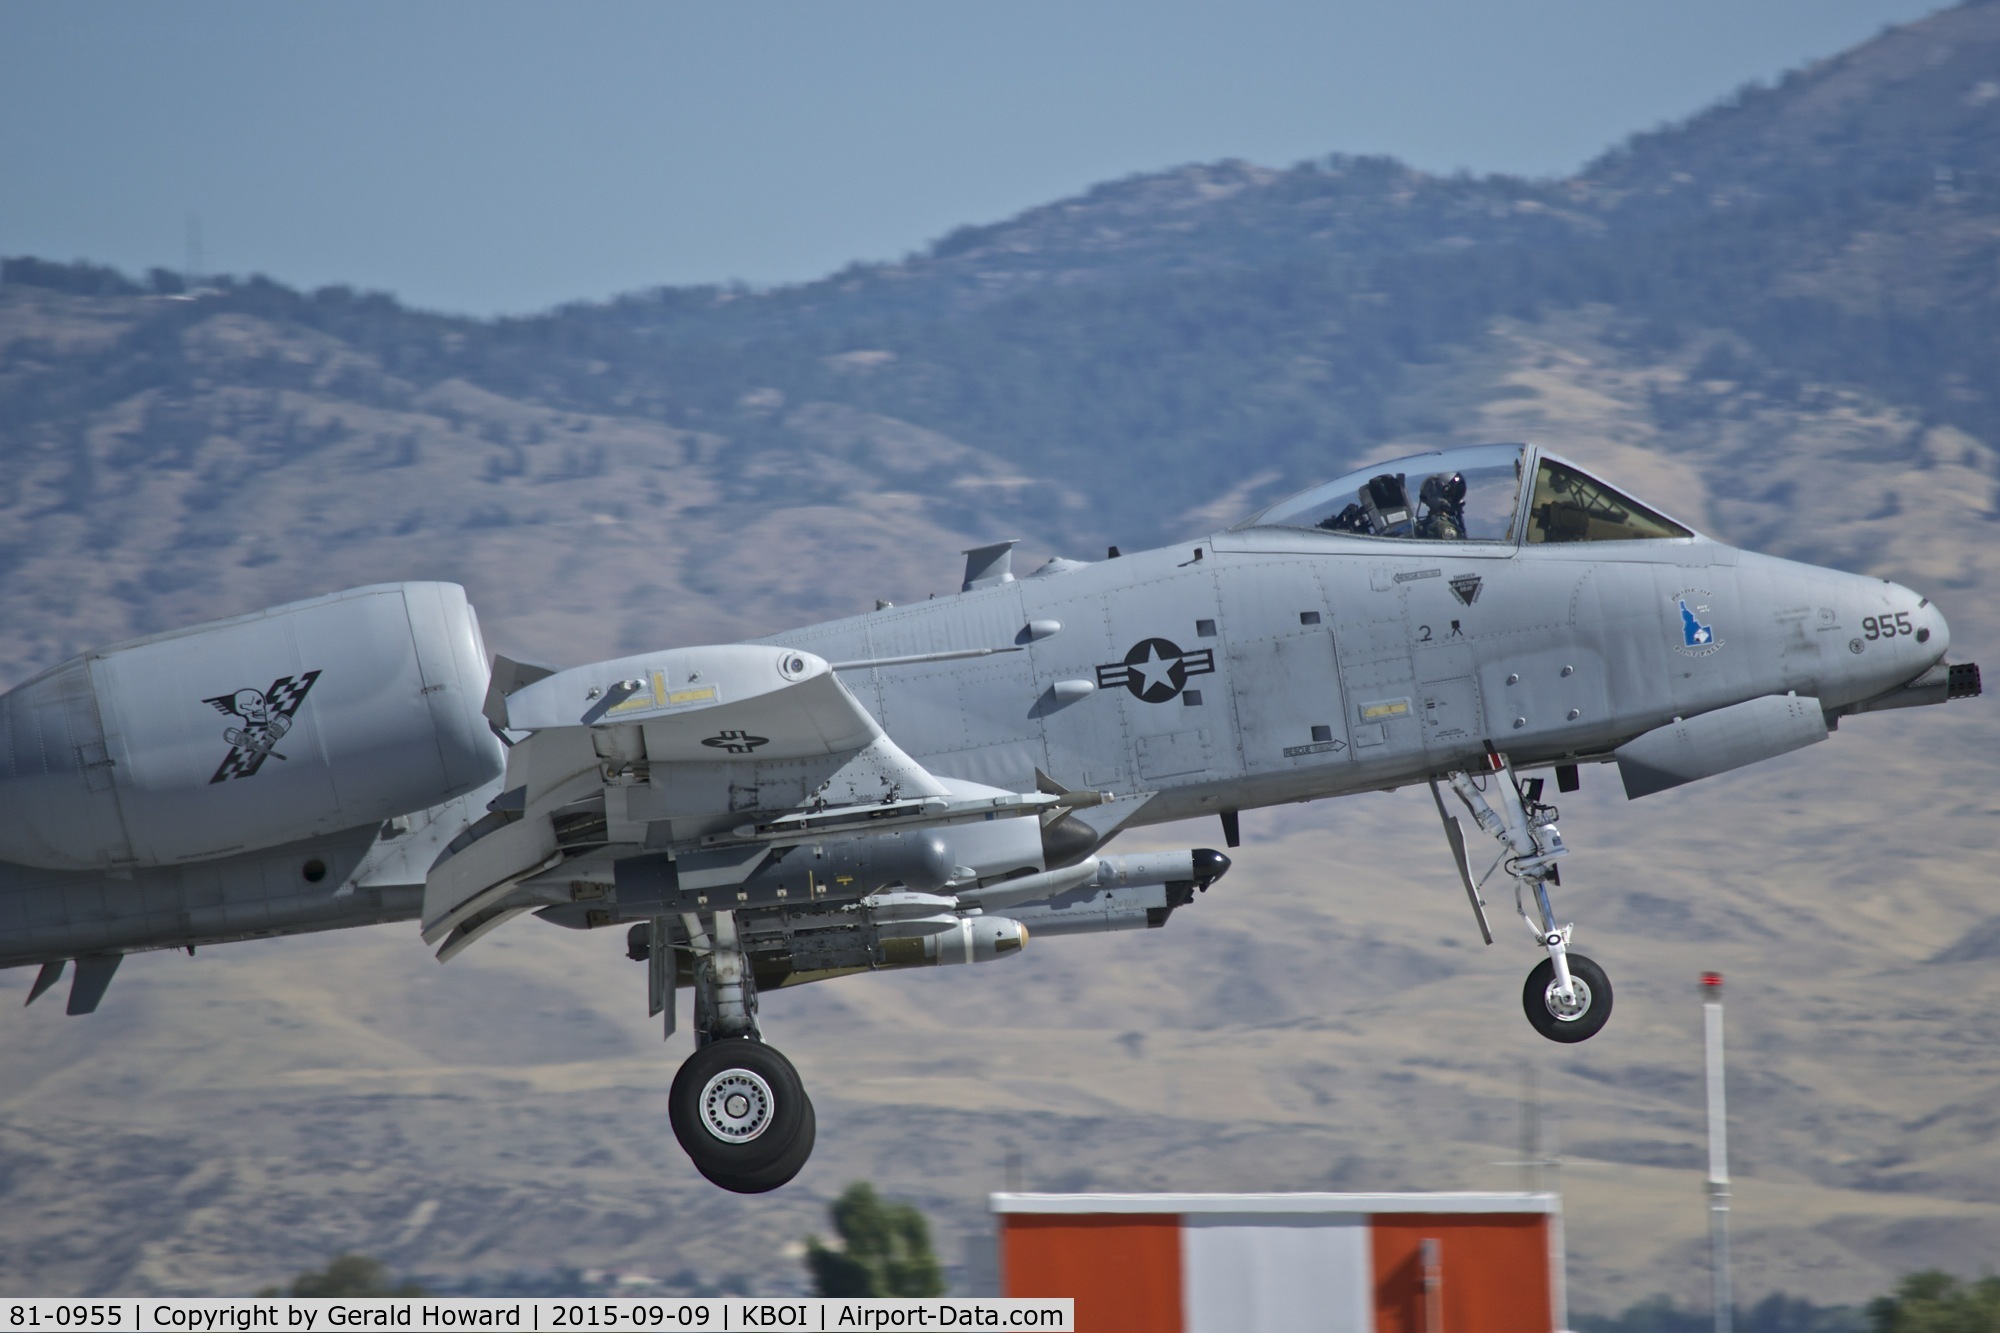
[247, 733]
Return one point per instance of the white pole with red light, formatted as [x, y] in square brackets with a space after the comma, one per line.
[1718, 1153]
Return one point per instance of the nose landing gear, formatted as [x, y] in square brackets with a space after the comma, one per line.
[1567, 996]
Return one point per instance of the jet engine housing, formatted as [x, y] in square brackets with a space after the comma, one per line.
[244, 734]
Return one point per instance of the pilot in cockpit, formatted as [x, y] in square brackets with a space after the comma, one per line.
[1383, 509]
[1443, 499]
[1472, 494]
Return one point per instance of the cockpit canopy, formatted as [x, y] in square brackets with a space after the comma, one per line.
[1471, 495]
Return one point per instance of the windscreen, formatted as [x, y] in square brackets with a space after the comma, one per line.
[1455, 495]
[1573, 506]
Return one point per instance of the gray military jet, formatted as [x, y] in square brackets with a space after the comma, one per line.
[931, 784]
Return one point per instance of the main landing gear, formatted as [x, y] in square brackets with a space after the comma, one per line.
[1567, 996]
[737, 1106]
[741, 1114]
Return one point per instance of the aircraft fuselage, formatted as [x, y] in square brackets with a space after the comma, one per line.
[1259, 666]
[1264, 666]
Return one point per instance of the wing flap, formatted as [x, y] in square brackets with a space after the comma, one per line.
[487, 870]
[554, 771]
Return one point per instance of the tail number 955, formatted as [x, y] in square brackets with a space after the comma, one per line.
[1887, 627]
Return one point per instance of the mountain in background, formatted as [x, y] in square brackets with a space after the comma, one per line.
[1779, 320]
[1219, 333]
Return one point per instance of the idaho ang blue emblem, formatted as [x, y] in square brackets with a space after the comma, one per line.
[1697, 633]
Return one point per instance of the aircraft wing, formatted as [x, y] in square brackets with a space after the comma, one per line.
[733, 743]
[741, 700]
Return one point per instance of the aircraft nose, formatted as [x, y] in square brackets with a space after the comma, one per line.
[1932, 634]
[1893, 635]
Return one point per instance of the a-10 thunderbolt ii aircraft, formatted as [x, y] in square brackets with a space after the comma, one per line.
[930, 784]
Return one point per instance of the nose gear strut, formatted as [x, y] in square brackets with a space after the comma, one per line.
[1568, 997]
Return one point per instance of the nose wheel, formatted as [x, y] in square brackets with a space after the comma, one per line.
[1578, 1016]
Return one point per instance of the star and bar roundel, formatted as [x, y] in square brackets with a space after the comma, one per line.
[1156, 670]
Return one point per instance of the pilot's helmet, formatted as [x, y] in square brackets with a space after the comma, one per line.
[1443, 490]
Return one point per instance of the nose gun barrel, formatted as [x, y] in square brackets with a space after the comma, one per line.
[1941, 684]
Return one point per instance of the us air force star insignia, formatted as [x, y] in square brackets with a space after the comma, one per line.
[1156, 670]
[267, 716]
[736, 742]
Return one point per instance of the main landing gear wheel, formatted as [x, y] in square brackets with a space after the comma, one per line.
[777, 1173]
[1574, 1022]
[741, 1114]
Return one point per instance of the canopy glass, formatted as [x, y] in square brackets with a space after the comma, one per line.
[1457, 495]
[1470, 495]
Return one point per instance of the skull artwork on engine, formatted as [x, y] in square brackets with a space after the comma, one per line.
[267, 716]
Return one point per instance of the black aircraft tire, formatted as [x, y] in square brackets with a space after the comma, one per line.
[748, 1084]
[779, 1172]
[1581, 1026]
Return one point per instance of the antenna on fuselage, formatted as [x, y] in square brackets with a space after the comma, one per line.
[986, 566]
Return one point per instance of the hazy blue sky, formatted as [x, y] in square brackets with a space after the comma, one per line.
[505, 156]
